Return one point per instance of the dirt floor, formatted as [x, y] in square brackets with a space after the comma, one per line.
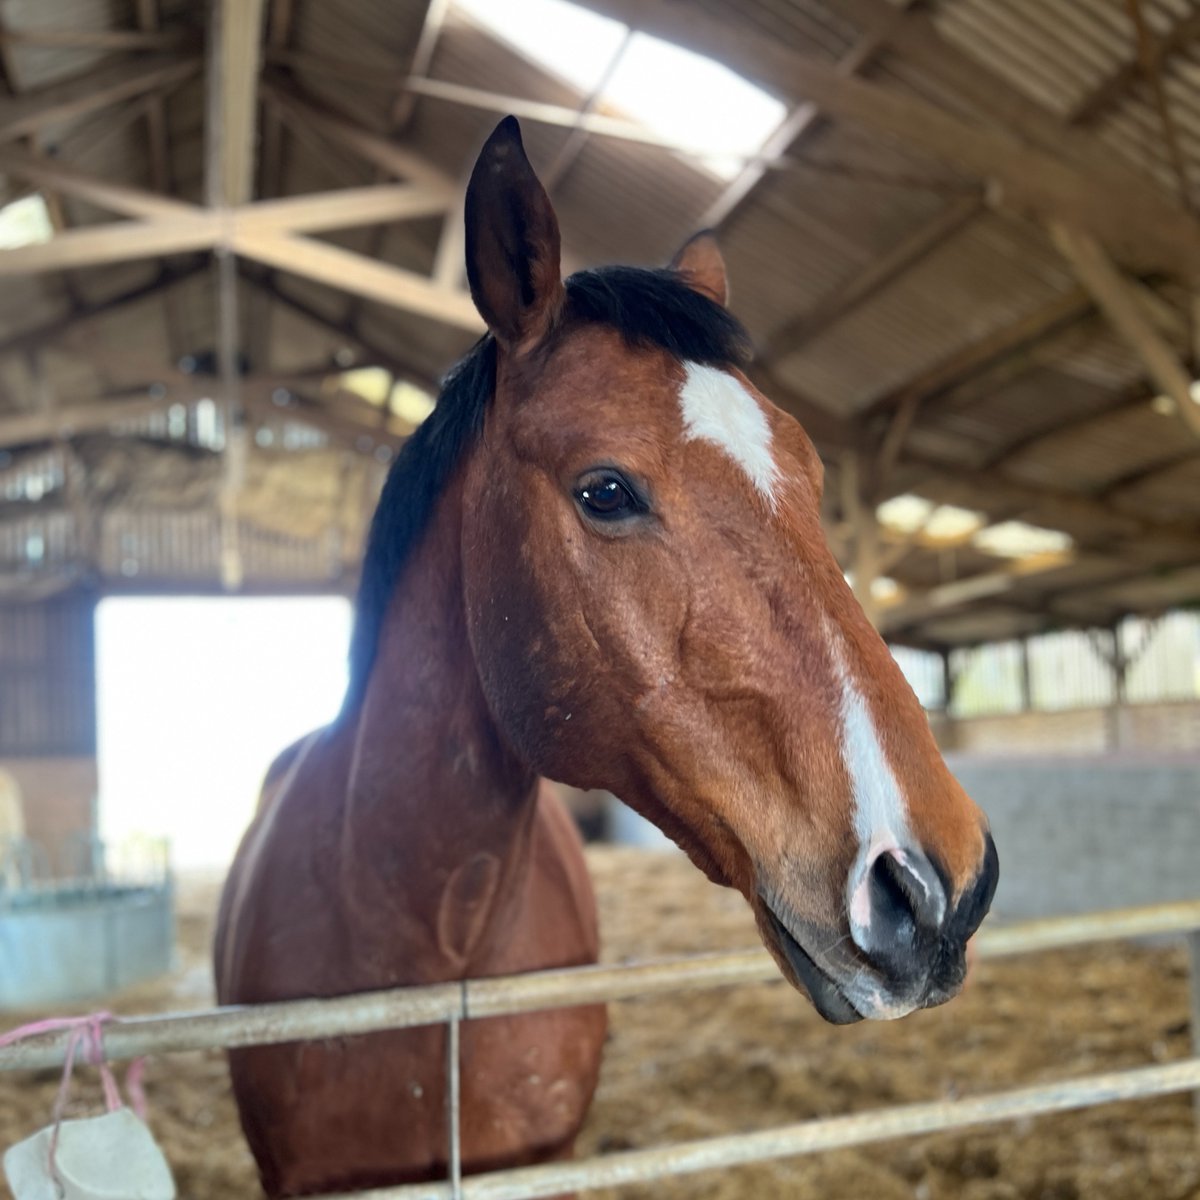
[755, 1057]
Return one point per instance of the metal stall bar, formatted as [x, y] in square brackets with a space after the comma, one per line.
[806, 1137]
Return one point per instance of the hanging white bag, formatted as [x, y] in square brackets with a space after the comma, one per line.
[110, 1157]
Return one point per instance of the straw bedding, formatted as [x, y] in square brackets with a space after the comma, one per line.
[750, 1058]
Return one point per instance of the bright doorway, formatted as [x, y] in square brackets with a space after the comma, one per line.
[196, 696]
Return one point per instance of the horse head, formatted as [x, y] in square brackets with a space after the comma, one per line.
[654, 610]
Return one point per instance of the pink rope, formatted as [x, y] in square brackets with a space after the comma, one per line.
[91, 1029]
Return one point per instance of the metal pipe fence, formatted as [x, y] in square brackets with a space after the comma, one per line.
[452, 1003]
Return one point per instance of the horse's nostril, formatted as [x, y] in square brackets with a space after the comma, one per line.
[892, 901]
[905, 896]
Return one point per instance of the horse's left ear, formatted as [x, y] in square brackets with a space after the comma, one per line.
[513, 250]
[700, 262]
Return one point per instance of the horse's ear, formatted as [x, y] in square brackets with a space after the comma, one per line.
[513, 252]
[702, 266]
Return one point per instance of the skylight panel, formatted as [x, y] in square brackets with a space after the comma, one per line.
[24, 222]
[571, 42]
[911, 515]
[377, 386]
[693, 100]
[1017, 539]
[703, 107]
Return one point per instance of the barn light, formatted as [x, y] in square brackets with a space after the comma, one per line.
[693, 101]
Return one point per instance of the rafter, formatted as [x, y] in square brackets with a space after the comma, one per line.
[1090, 521]
[106, 85]
[344, 134]
[1056, 314]
[984, 585]
[875, 276]
[1114, 203]
[52, 330]
[1118, 84]
[398, 120]
[804, 120]
[377, 355]
[235, 32]
[172, 227]
[359, 275]
[141, 40]
[1112, 293]
[1071, 432]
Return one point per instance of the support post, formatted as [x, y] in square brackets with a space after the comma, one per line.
[1193, 941]
[1026, 677]
[858, 510]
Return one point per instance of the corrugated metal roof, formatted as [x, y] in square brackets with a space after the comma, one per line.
[844, 200]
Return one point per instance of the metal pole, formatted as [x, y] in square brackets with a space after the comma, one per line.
[453, 1107]
[809, 1137]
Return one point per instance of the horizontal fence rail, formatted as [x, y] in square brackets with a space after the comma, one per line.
[806, 1137]
[403, 1008]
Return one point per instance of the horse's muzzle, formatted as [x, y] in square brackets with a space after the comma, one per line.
[847, 985]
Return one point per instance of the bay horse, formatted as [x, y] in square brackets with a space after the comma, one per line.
[599, 560]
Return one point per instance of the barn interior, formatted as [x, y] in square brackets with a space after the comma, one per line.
[962, 235]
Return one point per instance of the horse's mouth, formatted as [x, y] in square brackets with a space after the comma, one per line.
[828, 999]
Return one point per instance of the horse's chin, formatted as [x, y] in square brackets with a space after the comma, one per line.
[803, 974]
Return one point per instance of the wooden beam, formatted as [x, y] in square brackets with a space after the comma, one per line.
[1061, 311]
[236, 32]
[135, 40]
[354, 273]
[179, 227]
[55, 328]
[1131, 216]
[402, 112]
[344, 134]
[1090, 521]
[858, 510]
[860, 288]
[1120, 81]
[1070, 432]
[920, 42]
[419, 64]
[802, 121]
[1129, 318]
[115, 197]
[106, 85]
[377, 355]
[345, 208]
[985, 585]
[561, 115]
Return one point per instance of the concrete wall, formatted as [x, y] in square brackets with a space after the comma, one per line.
[1079, 834]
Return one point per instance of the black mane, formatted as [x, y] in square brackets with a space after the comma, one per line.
[647, 307]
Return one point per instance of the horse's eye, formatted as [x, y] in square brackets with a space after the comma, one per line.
[607, 496]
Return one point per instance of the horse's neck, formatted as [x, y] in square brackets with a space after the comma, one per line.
[439, 811]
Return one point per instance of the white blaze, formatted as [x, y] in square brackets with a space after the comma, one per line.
[719, 409]
[880, 814]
